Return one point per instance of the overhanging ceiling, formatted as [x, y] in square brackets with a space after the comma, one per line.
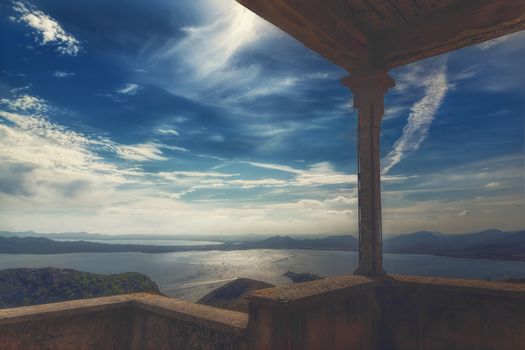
[356, 34]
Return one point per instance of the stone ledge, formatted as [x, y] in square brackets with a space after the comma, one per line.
[64, 308]
[310, 291]
[458, 285]
[207, 316]
[170, 307]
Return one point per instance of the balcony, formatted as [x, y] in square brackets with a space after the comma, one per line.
[343, 312]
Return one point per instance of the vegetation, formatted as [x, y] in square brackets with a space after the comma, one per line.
[23, 286]
[301, 277]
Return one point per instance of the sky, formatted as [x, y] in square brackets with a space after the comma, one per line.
[198, 117]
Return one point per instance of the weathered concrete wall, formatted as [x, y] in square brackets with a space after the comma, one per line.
[101, 323]
[427, 313]
[133, 321]
[344, 312]
[169, 323]
[333, 313]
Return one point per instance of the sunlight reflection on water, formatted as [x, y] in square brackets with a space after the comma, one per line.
[190, 275]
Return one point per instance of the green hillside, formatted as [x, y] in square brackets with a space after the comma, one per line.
[23, 286]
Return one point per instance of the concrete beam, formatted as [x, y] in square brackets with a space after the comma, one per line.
[462, 24]
[323, 27]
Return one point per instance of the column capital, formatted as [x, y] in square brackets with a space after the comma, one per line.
[368, 84]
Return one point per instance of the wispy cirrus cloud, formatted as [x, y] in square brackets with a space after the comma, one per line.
[208, 49]
[63, 75]
[129, 89]
[210, 58]
[422, 113]
[168, 132]
[140, 152]
[46, 30]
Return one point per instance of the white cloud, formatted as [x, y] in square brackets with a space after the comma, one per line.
[323, 174]
[173, 148]
[145, 151]
[490, 43]
[283, 168]
[60, 74]
[209, 48]
[217, 138]
[26, 103]
[422, 114]
[205, 61]
[129, 89]
[175, 175]
[168, 132]
[47, 31]
[18, 90]
[258, 183]
[318, 174]
[463, 213]
[492, 185]
[34, 123]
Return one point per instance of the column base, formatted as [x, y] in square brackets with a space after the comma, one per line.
[369, 272]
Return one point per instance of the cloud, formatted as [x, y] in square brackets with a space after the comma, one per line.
[463, 213]
[14, 178]
[217, 138]
[145, 151]
[26, 103]
[129, 89]
[175, 175]
[283, 168]
[214, 58]
[258, 183]
[490, 43]
[318, 174]
[47, 31]
[168, 132]
[209, 49]
[421, 115]
[62, 75]
[492, 185]
[140, 152]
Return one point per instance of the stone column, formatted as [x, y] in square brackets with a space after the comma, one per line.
[368, 88]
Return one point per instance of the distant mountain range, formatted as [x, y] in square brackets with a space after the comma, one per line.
[492, 244]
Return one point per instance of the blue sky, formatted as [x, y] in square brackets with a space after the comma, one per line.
[198, 117]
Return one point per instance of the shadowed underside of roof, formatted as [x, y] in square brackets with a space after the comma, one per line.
[356, 34]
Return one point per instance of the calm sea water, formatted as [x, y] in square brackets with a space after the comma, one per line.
[190, 275]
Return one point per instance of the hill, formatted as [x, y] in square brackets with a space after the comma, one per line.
[343, 242]
[232, 295]
[41, 245]
[491, 244]
[23, 286]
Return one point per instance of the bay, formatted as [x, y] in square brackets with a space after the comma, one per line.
[191, 275]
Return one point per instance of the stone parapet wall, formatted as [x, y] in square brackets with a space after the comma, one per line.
[343, 312]
[132, 321]
[332, 313]
[440, 313]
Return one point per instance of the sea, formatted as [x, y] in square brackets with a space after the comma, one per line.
[191, 275]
